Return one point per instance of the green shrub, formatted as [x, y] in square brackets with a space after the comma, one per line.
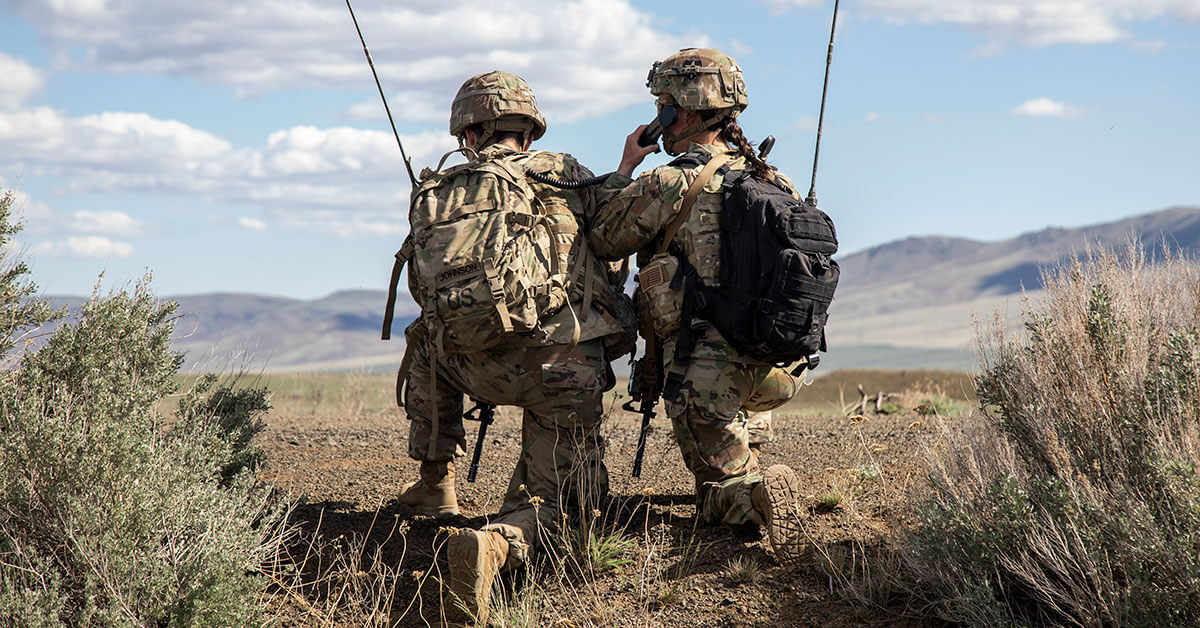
[1074, 499]
[18, 312]
[111, 514]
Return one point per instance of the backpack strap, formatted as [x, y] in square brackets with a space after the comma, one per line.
[405, 367]
[402, 374]
[497, 289]
[693, 193]
[470, 153]
[687, 338]
[402, 256]
[583, 269]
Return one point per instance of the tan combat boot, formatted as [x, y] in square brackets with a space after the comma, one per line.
[776, 498]
[433, 494]
[475, 558]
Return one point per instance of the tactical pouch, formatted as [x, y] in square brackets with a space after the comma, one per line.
[664, 301]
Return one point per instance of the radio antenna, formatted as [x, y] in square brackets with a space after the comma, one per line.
[407, 161]
[812, 188]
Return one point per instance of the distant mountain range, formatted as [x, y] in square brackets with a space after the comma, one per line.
[907, 303]
[912, 301]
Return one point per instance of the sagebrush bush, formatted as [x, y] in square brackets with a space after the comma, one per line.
[18, 312]
[111, 514]
[1075, 498]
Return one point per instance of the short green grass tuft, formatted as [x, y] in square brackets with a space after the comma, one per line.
[828, 501]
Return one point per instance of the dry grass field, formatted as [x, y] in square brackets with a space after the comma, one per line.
[337, 443]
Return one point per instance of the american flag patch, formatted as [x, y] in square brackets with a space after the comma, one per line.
[651, 277]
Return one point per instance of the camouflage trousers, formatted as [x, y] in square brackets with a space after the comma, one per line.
[710, 422]
[561, 463]
[758, 427]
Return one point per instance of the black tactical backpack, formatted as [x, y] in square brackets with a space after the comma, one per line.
[777, 276]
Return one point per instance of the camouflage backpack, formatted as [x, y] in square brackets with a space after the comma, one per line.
[485, 265]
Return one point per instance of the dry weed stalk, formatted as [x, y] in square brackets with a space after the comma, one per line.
[574, 579]
[354, 393]
[338, 581]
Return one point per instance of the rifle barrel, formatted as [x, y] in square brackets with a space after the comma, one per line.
[487, 414]
[647, 415]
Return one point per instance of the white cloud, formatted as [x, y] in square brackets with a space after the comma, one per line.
[779, 6]
[106, 222]
[343, 181]
[92, 247]
[1034, 22]
[25, 209]
[408, 106]
[804, 124]
[21, 81]
[872, 117]
[1046, 108]
[253, 224]
[583, 58]
[112, 141]
[39, 219]
[740, 48]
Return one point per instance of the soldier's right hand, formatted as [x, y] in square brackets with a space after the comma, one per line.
[634, 153]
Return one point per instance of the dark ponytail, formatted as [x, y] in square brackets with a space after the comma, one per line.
[731, 133]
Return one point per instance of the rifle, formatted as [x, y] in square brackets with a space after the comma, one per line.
[645, 386]
[487, 414]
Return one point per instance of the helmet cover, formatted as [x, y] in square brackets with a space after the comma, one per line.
[699, 79]
[501, 98]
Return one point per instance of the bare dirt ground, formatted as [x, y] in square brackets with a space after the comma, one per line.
[859, 473]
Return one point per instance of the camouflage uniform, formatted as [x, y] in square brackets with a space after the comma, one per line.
[781, 387]
[516, 310]
[721, 386]
[758, 428]
[560, 386]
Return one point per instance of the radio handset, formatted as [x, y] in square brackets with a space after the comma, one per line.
[665, 118]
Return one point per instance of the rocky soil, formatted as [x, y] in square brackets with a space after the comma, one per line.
[860, 475]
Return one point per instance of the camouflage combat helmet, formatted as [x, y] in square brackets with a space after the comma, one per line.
[699, 79]
[500, 101]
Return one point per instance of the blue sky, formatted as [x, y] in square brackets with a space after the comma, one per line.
[241, 147]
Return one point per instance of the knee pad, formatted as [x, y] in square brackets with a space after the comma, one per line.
[776, 389]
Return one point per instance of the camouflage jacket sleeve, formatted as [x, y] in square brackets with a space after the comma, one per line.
[634, 212]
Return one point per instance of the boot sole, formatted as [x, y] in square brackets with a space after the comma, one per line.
[470, 580]
[441, 512]
[782, 488]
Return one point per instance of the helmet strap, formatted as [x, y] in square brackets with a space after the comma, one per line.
[490, 128]
[670, 139]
